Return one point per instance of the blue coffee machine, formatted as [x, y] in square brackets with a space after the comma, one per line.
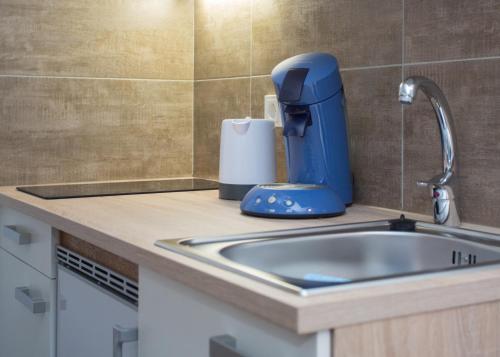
[311, 96]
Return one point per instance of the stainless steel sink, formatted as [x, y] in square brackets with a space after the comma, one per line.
[313, 260]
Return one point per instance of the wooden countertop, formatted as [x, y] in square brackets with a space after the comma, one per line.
[129, 225]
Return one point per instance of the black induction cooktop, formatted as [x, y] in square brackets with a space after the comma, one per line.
[52, 192]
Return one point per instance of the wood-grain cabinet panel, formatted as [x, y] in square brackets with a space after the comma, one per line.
[470, 331]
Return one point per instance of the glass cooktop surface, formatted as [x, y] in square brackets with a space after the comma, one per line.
[51, 192]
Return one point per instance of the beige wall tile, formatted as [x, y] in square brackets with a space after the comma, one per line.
[472, 90]
[367, 32]
[261, 86]
[113, 38]
[451, 29]
[215, 101]
[359, 33]
[374, 117]
[222, 38]
[63, 130]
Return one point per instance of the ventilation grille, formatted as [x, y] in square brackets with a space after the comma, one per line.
[101, 275]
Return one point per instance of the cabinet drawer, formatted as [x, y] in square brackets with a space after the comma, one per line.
[27, 310]
[28, 239]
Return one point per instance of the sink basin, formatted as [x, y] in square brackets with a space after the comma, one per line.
[312, 260]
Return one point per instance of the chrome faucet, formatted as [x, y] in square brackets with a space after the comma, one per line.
[441, 186]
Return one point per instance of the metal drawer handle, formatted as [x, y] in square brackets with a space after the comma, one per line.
[224, 346]
[35, 305]
[123, 335]
[13, 233]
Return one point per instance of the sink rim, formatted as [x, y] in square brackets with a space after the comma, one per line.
[282, 253]
[207, 249]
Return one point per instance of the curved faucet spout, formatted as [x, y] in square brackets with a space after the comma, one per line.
[407, 92]
[442, 193]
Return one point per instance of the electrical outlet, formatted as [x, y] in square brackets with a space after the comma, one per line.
[272, 109]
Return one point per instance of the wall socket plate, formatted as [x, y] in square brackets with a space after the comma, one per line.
[272, 110]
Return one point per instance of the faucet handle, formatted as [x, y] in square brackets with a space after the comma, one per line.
[443, 202]
[438, 190]
[422, 183]
[429, 183]
[436, 181]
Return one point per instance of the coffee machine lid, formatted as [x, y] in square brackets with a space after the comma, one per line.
[307, 78]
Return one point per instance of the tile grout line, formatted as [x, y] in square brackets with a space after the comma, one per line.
[193, 92]
[96, 78]
[241, 77]
[403, 58]
[229, 78]
[363, 68]
[471, 59]
[370, 67]
[251, 58]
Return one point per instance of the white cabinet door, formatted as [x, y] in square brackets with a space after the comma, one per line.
[86, 318]
[27, 310]
[177, 321]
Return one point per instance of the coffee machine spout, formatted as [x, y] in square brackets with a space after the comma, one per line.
[297, 119]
